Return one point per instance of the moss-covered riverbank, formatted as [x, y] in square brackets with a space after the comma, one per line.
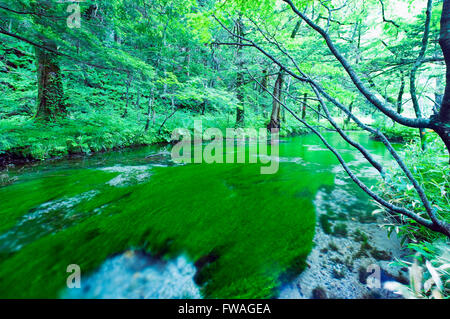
[90, 133]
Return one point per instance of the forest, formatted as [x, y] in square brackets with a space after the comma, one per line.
[353, 98]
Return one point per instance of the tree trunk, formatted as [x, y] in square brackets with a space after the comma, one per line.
[150, 112]
[263, 88]
[188, 62]
[400, 95]
[265, 81]
[296, 28]
[283, 110]
[172, 102]
[305, 99]
[50, 87]
[274, 123]
[240, 75]
[127, 95]
[347, 120]
[138, 98]
[441, 121]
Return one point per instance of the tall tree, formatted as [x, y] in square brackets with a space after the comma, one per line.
[49, 76]
[274, 123]
[239, 26]
[51, 101]
[441, 122]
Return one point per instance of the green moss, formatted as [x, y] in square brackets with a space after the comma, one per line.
[325, 224]
[359, 236]
[332, 246]
[363, 251]
[340, 230]
[366, 249]
[349, 263]
[341, 216]
[253, 241]
[24, 196]
[336, 260]
[399, 134]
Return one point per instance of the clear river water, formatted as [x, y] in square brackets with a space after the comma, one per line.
[140, 226]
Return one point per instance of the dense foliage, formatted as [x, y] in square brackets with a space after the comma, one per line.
[136, 62]
[125, 73]
[435, 179]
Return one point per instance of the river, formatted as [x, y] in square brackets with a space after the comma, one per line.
[140, 226]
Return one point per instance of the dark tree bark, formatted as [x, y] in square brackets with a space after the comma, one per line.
[265, 80]
[347, 120]
[50, 87]
[305, 99]
[297, 26]
[400, 95]
[127, 95]
[240, 74]
[150, 111]
[274, 123]
[441, 121]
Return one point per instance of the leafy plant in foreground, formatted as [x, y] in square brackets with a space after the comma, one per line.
[429, 273]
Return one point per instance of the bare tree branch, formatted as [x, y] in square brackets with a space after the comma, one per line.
[371, 97]
[419, 61]
[384, 16]
[5, 32]
[356, 145]
[438, 226]
[435, 223]
[276, 61]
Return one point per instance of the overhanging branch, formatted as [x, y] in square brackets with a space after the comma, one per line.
[371, 97]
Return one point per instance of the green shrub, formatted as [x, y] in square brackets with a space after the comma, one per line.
[429, 273]
[398, 133]
[431, 169]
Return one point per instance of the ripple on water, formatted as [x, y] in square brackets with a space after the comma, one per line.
[43, 220]
[135, 275]
[128, 174]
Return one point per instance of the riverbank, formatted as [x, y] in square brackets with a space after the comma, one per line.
[24, 141]
[432, 250]
[349, 249]
[397, 134]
